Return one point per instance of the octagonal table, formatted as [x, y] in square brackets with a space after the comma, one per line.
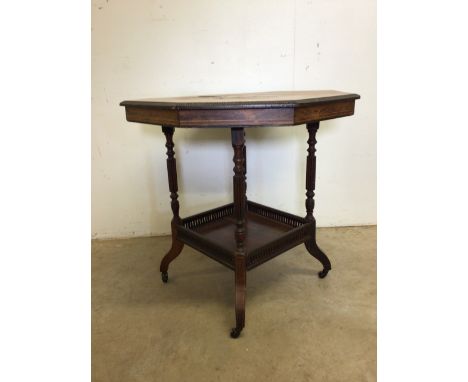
[244, 234]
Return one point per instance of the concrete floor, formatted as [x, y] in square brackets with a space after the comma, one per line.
[298, 327]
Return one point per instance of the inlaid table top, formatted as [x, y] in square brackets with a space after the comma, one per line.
[280, 108]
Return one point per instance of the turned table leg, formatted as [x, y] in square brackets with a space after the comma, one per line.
[240, 204]
[311, 244]
[172, 177]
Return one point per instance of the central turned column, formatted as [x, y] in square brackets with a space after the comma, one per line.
[240, 207]
[239, 185]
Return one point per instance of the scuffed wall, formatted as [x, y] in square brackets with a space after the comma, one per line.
[145, 48]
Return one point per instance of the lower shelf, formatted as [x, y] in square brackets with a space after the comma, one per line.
[269, 232]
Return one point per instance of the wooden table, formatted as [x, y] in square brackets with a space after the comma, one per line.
[244, 234]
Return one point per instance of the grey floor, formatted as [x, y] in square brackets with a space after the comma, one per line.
[298, 327]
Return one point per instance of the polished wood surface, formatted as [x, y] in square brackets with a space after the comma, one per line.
[246, 110]
[245, 100]
[268, 233]
[239, 212]
[243, 235]
[177, 245]
[260, 231]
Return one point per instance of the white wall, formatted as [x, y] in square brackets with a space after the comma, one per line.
[157, 48]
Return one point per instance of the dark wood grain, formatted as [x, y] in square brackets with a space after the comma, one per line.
[268, 233]
[239, 212]
[152, 116]
[246, 110]
[243, 235]
[262, 100]
[310, 170]
[172, 171]
[311, 244]
[321, 112]
[229, 118]
[260, 231]
[177, 245]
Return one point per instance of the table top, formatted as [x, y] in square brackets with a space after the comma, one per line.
[276, 99]
[280, 108]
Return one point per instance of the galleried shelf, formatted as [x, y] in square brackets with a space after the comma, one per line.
[242, 235]
[268, 233]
